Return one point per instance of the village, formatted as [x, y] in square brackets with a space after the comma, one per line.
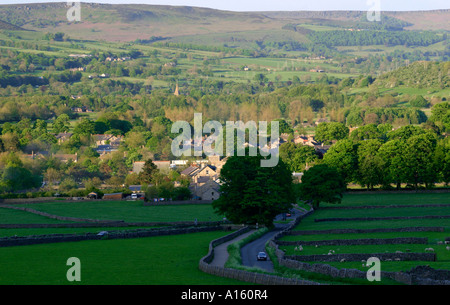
[203, 174]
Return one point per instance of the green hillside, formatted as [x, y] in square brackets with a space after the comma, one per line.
[423, 74]
[128, 22]
[9, 27]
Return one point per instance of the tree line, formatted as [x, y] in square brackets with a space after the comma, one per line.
[370, 37]
[378, 155]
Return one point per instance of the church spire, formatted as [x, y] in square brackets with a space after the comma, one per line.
[177, 91]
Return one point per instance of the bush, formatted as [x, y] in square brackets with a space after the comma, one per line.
[419, 101]
[67, 185]
[77, 193]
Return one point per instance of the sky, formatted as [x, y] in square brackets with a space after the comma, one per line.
[280, 5]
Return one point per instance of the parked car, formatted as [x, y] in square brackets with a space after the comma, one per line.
[262, 256]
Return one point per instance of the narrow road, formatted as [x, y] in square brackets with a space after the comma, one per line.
[221, 253]
[251, 250]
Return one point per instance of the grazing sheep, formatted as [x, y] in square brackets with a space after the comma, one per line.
[299, 248]
[397, 259]
[398, 252]
[429, 250]
[448, 248]
[447, 242]
[342, 260]
[439, 242]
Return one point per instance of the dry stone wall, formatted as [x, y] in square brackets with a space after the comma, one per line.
[355, 257]
[421, 275]
[364, 241]
[379, 230]
[382, 218]
[242, 275]
[58, 238]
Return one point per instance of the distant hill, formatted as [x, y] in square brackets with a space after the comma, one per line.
[128, 22]
[417, 20]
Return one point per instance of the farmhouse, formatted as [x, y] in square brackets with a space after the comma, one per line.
[104, 139]
[205, 178]
[63, 137]
[203, 174]
[81, 109]
[210, 190]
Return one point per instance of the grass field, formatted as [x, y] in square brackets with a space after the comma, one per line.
[174, 259]
[160, 260]
[8, 216]
[128, 211]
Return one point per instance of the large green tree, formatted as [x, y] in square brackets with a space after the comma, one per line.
[419, 159]
[369, 131]
[392, 155]
[253, 194]
[440, 115]
[405, 132]
[16, 178]
[296, 156]
[370, 164]
[322, 183]
[84, 127]
[343, 156]
[61, 124]
[326, 132]
[442, 157]
[148, 172]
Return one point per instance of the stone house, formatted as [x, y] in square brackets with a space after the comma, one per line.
[208, 191]
[104, 139]
[63, 137]
[200, 174]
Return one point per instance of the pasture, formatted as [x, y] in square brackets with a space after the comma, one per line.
[127, 211]
[174, 259]
[383, 211]
[161, 260]
[157, 260]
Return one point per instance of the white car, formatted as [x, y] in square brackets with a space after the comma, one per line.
[262, 256]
